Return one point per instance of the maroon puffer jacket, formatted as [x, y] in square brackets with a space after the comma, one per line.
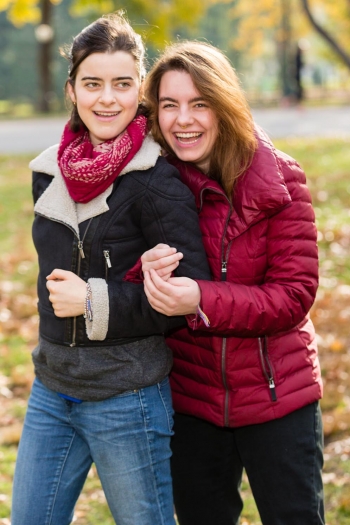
[258, 359]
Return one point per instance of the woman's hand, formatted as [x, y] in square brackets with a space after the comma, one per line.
[67, 293]
[176, 296]
[161, 258]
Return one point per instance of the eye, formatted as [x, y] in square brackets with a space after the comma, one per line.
[92, 84]
[167, 105]
[123, 85]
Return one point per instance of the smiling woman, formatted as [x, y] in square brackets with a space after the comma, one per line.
[246, 378]
[101, 394]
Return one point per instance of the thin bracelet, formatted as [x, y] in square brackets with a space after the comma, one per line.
[88, 305]
[203, 316]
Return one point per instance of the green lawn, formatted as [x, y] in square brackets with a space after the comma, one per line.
[327, 165]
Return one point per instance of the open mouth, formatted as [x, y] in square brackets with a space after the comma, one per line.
[188, 138]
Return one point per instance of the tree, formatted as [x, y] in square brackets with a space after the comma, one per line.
[269, 24]
[285, 22]
[326, 35]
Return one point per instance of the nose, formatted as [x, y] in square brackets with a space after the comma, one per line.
[108, 95]
[184, 117]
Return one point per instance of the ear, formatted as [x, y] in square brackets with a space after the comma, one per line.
[70, 91]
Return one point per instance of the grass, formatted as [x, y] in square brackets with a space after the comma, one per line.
[327, 165]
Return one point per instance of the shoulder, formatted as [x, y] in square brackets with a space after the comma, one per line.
[164, 180]
[46, 162]
[44, 168]
[279, 165]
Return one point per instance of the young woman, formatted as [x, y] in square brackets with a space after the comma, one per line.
[246, 378]
[101, 393]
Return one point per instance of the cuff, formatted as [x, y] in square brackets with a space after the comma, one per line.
[97, 328]
[193, 320]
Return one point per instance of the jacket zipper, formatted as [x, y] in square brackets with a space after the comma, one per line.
[224, 380]
[267, 368]
[224, 259]
[80, 257]
[108, 262]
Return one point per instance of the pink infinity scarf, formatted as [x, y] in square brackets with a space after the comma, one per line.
[87, 170]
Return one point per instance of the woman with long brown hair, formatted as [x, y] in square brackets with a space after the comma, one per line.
[246, 378]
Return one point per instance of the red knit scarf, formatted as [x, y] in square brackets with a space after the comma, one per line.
[87, 170]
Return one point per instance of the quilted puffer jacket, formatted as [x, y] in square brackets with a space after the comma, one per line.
[258, 358]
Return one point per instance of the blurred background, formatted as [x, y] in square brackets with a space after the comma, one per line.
[284, 50]
[293, 58]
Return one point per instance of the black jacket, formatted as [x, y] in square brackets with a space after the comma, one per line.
[145, 208]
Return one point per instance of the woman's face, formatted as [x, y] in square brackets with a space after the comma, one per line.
[106, 93]
[188, 124]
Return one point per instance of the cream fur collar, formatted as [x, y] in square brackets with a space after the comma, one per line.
[56, 204]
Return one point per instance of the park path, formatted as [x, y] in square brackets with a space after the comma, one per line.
[34, 135]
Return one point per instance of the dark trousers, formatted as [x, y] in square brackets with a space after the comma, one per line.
[283, 460]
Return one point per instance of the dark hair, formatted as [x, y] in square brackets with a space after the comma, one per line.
[216, 80]
[107, 34]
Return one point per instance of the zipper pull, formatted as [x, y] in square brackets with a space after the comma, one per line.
[223, 270]
[272, 389]
[108, 260]
[80, 247]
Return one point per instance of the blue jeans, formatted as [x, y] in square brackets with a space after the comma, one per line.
[126, 436]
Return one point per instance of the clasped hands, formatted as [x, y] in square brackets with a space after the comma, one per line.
[167, 295]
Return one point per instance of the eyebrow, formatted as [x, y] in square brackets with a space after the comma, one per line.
[98, 78]
[196, 99]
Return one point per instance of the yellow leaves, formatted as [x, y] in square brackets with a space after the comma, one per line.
[4, 4]
[88, 7]
[21, 12]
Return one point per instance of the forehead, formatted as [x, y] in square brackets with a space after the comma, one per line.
[178, 85]
[118, 63]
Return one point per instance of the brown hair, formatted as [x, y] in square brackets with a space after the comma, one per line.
[216, 80]
[107, 34]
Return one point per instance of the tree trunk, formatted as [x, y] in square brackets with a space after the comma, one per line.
[44, 62]
[325, 35]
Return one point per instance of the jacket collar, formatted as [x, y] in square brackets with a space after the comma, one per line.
[56, 203]
[260, 191]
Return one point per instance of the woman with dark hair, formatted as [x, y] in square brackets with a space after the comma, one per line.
[246, 378]
[101, 393]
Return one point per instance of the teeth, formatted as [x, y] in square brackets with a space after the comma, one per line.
[101, 114]
[188, 135]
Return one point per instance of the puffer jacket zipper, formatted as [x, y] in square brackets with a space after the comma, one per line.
[224, 260]
[266, 367]
[80, 257]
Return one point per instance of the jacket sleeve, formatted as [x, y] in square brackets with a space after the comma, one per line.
[169, 215]
[290, 283]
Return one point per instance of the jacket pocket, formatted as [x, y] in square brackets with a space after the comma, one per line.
[267, 367]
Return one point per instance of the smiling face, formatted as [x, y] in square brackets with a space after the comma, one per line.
[106, 93]
[188, 124]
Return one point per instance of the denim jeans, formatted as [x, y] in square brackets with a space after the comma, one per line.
[283, 460]
[126, 436]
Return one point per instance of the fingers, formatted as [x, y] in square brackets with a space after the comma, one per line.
[59, 275]
[158, 252]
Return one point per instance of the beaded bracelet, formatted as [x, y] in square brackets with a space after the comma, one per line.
[88, 304]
